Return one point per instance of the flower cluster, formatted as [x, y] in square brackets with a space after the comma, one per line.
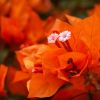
[52, 59]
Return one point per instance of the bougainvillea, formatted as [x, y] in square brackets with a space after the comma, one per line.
[57, 58]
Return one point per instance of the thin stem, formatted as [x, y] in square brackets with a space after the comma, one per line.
[57, 44]
[64, 45]
[68, 46]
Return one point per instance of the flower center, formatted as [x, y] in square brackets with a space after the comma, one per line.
[73, 69]
[61, 39]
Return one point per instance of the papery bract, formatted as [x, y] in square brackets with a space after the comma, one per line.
[72, 20]
[3, 73]
[43, 86]
[16, 81]
[10, 31]
[31, 61]
[20, 11]
[30, 57]
[40, 5]
[71, 93]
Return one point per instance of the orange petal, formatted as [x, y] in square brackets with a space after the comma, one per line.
[40, 5]
[16, 81]
[20, 11]
[80, 46]
[20, 58]
[86, 31]
[71, 94]
[3, 73]
[72, 20]
[78, 83]
[10, 31]
[20, 76]
[5, 5]
[30, 56]
[50, 58]
[34, 25]
[60, 26]
[77, 57]
[39, 86]
[95, 10]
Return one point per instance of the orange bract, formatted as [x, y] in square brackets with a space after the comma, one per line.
[22, 25]
[41, 5]
[43, 86]
[20, 11]
[10, 31]
[95, 10]
[50, 58]
[80, 62]
[60, 26]
[30, 57]
[34, 28]
[46, 68]
[70, 93]
[16, 81]
[56, 60]
[88, 30]
[31, 61]
[3, 73]
[72, 20]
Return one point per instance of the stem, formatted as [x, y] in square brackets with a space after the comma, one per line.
[64, 45]
[68, 46]
[57, 44]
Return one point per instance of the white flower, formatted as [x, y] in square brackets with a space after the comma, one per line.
[64, 36]
[52, 38]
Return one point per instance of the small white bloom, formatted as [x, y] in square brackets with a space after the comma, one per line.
[52, 38]
[64, 36]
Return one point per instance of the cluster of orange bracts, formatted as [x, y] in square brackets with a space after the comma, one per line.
[59, 59]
